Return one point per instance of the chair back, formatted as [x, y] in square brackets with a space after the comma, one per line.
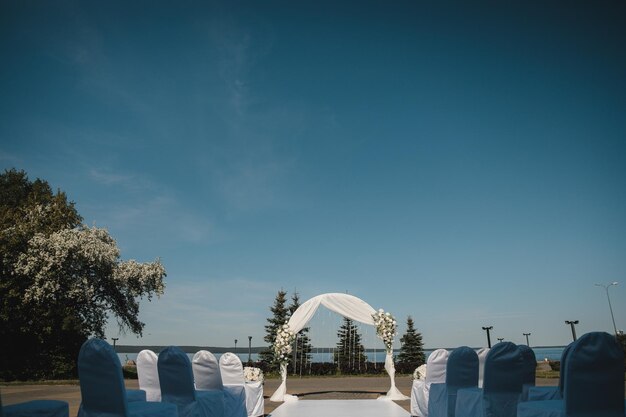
[594, 376]
[461, 372]
[562, 368]
[176, 377]
[504, 366]
[148, 374]
[529, 367]
[102, 387]
[462, 369]
[436, 366]
[206, 371]
[482, 355]
[231, 369]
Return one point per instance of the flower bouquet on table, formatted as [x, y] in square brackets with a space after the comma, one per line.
[419, 373]
[385, 327]
[252, 374]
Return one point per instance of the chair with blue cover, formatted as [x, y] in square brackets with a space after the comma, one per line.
[35, 408]
[529, 371]
[148, 374]
[206, 373]
[461, 372]
[502, 386]
[102, 386]
[551, 392]
[594, 381]
[177, 387]
[435, 374]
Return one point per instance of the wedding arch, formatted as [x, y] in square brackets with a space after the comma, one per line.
[348, 306]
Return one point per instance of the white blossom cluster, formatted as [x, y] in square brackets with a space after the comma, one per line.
[420, 372]
[385, 327]
[282, 345]
[80, 268]
[252, 374]
[74, 262]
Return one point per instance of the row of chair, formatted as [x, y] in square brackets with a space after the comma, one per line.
[594, 364]
[241, 398]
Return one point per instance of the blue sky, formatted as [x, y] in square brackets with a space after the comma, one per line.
[460, 162]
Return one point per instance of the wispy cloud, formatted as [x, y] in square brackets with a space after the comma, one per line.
[110, 178]
[9, 159]
[201, 311]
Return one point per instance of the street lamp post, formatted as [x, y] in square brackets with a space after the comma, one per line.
[115, 339]
[572, 323]
[235, 345]
[527, 334]
[249, 349]
[487, 328]
[606, 287]
[500, 339]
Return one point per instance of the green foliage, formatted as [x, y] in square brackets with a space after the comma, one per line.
[280, 315]
[59, 281]
[412, 347]
[302, 348]
[350, 353]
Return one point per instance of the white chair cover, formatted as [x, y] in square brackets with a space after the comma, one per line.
[207, 376]
[231, 369]
[255, 403]
[435, 373]
[232, 374]
[206, 371]
[482, 355]
[148, 375]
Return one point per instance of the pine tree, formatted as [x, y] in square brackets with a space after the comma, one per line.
[412, 350]
[350, 353]
[302, 348]
[280, 317]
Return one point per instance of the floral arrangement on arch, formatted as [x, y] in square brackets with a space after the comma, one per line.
[252, 374]
[385, 327]
[420, 372]
[282, 344]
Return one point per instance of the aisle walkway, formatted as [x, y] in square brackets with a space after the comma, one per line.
[340, 408]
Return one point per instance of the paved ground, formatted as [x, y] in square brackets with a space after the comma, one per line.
[305, 388]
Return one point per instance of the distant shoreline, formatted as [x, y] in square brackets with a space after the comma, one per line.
[259, 349]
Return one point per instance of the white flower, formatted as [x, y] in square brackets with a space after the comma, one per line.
[282, 345]
[420, 372]
[385, 327]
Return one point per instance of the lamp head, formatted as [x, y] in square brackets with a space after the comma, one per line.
[614, 283]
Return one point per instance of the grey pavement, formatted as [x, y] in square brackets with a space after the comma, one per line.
[310, 388]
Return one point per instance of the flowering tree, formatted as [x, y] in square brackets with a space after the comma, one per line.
[59, 281]
[81, 268]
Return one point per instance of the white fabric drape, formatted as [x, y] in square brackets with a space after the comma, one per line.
[348, 306]
[344, 304]
[393, 393]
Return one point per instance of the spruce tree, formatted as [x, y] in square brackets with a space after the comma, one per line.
[350, 353]
[302, 349]
[412, 350]
[280, 315]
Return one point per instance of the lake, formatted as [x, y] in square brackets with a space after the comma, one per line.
[550, 353]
